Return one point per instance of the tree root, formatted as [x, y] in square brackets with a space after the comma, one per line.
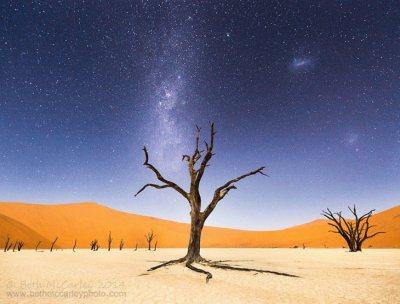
[172, 262]
[191, 267]
[228, 267]
[216, 264]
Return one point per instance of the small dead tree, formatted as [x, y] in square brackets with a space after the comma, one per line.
[94, 245]
[37, 245]
[6, 243]
[20, 245]
[155, 246]
[197, 164]
[73, 248]
[354, 232]
[109, 241]
[15, 245]
[52, 244]
[9, 246]
[136, 247]
[121, 244]
[149, 238]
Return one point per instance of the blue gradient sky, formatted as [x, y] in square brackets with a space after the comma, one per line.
[310, 89]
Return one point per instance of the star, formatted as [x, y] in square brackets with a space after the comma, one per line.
[284, 87]
[351, 138]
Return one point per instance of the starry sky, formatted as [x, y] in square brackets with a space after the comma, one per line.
[310, 89]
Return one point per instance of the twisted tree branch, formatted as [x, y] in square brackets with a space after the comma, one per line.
[167, 183]
[222, 191]
[154, 186]
[207, 157]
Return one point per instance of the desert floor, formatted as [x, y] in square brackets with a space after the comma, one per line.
[326, 276]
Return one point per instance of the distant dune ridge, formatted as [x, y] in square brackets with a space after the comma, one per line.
[88, 221]
[20, 232]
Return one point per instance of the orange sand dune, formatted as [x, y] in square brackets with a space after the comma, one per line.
[88, 221]
[17, 231]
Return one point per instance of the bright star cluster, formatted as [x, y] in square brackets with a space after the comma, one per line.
[301, 64]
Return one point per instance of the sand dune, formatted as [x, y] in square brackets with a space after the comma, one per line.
[88, 221]
[20, 232]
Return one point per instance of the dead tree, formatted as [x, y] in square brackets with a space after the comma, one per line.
[20, 245]
[149, 238]
[121, 244]
[94, 245]
[155, 246]
[354, 232]
[15, 245]
[136, 247]
[197, 164]
[37, 245]
[52, 244]
[109, 241]
[73, 248]
[6, 243]
[9, 246]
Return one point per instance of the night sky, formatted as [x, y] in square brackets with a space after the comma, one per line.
[310, 89]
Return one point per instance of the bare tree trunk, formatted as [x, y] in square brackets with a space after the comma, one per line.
[196, 227]
[9, 246]
[73, 249]
[20, 245]
[37, 245]
[6, 243]
[52, 245]
[94, 245]
[351, 245]
[149, 238]
[109, 241]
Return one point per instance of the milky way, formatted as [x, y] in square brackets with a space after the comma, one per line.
[309, 89]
